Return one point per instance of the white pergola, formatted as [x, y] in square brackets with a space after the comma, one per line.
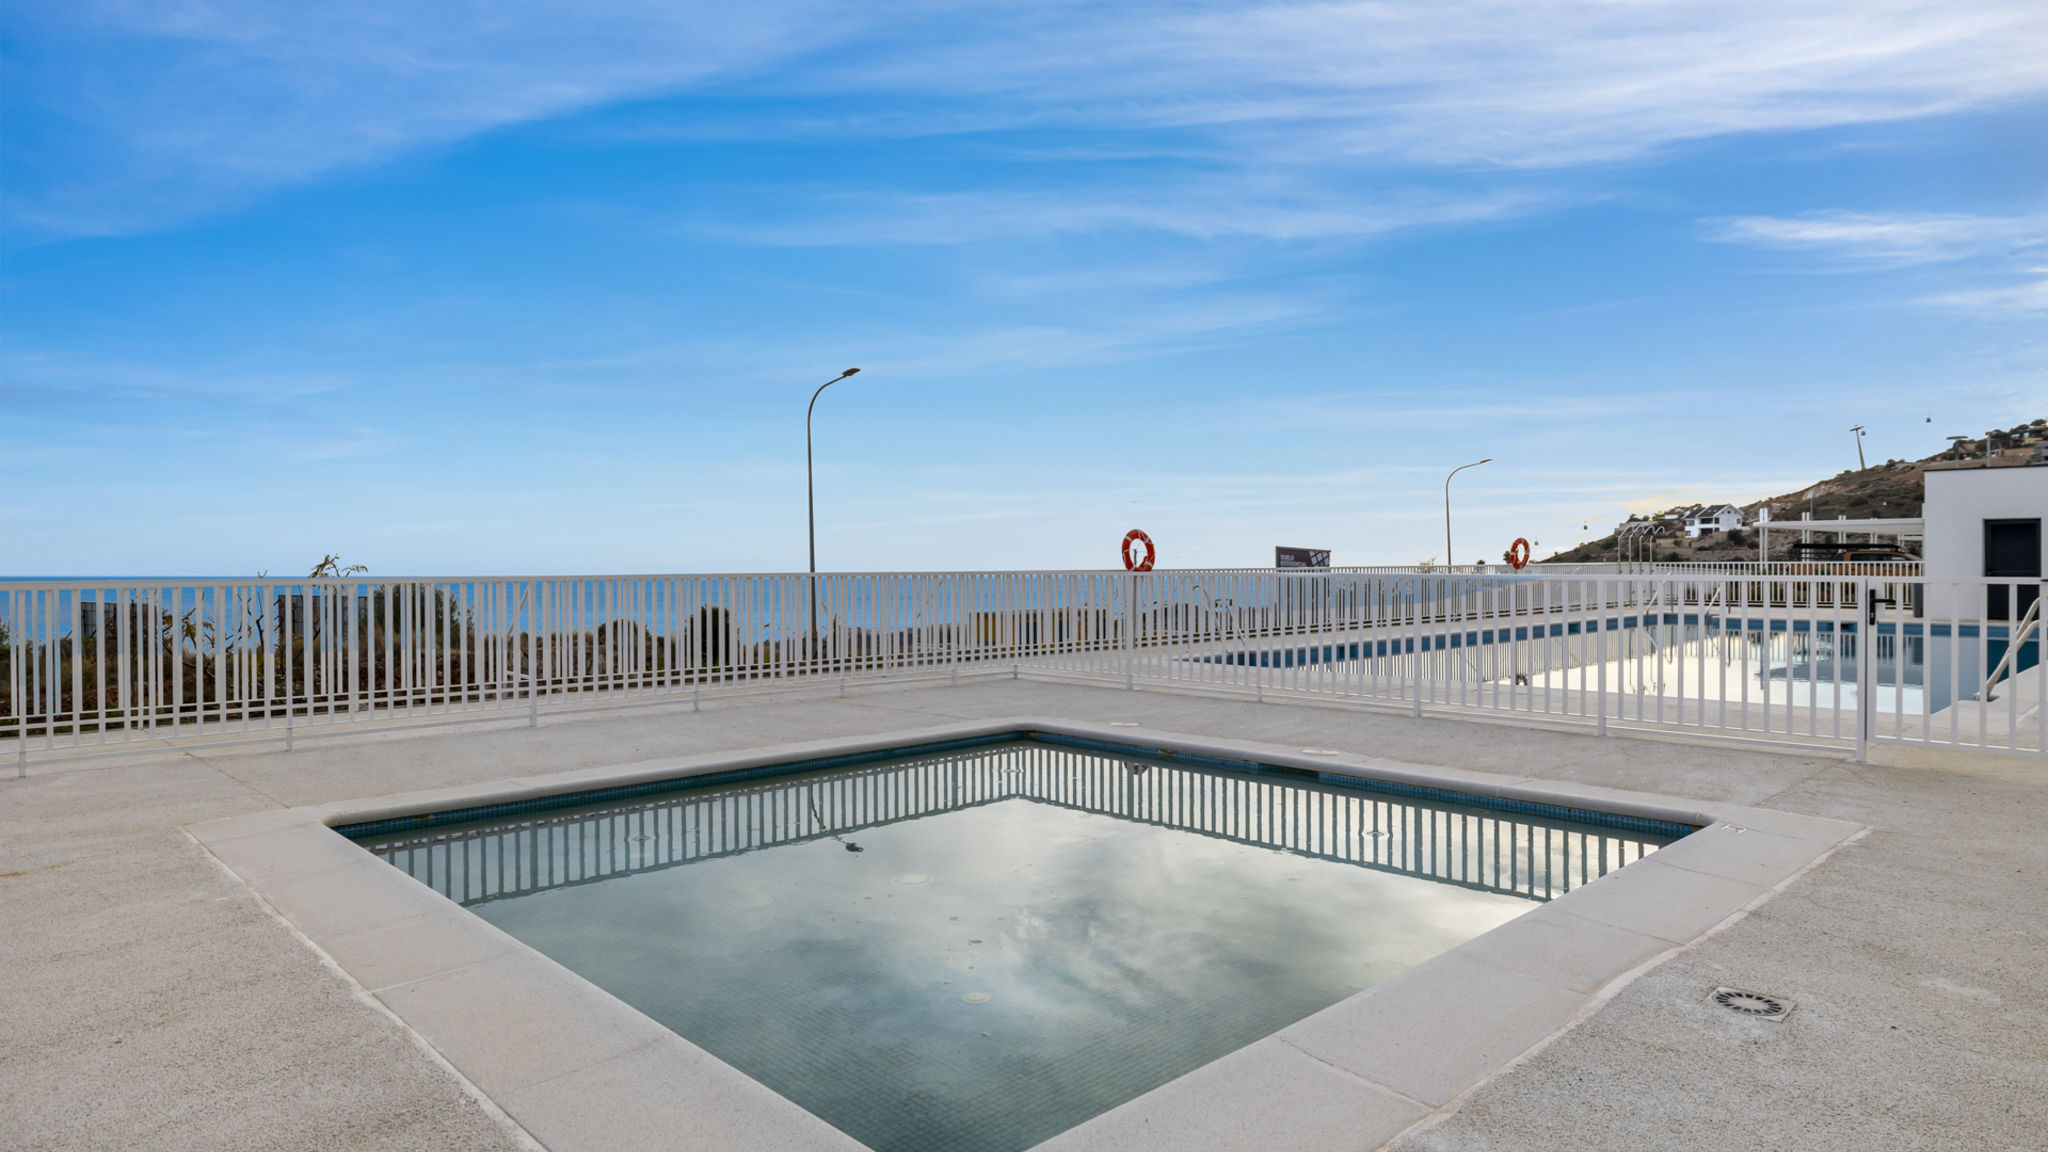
[1899, 528]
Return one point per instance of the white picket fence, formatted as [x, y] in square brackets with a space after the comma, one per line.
[1812, 654]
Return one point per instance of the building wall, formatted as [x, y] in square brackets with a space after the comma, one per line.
[1957, 504]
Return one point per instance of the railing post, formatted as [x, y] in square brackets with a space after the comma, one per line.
[1866, 669]
[1415, 639]
[532, 657]
[1130, 631]
[1600, 645]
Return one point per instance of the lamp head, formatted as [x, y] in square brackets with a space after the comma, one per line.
[849, 372]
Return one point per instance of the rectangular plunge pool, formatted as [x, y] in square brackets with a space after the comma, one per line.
[978, 949]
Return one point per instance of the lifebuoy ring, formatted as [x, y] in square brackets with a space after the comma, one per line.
[1518, 554]
[1151, 553]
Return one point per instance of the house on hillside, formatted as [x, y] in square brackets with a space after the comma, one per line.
[1712, 518]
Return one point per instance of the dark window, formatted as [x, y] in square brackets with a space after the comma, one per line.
[2012, 551]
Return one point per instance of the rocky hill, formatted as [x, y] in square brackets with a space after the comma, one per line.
[1892, 488]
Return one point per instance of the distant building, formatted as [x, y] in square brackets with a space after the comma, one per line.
[1712, 518]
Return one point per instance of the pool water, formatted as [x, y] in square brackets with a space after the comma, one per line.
[979, 950]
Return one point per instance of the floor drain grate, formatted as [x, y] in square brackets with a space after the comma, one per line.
[1754, 1005]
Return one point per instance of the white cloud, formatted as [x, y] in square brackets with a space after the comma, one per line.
[1886, 239]
[1436, 410]
[2028, 296]
[350, 445]
[146, 113]
[1506, 82]
[1219, 206]
[157, 111]
[1217, 320]
[1998, 253]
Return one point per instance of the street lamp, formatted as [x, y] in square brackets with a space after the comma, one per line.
[1860, 465]
[1447, 505]
[811, 500]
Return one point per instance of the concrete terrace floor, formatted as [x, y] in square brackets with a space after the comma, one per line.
[148, 1001]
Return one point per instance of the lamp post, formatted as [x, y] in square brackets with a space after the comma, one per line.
[1447, 505]
[1860, 465]
[811, 501]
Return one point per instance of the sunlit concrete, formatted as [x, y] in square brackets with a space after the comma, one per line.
[151, 1001]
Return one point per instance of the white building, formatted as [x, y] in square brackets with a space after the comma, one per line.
[1983, 524]
[1715, 518]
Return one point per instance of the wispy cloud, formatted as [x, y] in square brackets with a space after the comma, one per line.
[352, 444]
[1215, 320]
[2028, 296]
[1886, 239]
[1437, 409]
[131, 115]
[1996, 258]
[1493, 82]
[1222, 206]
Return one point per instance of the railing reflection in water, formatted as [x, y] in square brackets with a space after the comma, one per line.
[1469, 847]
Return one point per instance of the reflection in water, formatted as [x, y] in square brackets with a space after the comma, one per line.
[1028, 935]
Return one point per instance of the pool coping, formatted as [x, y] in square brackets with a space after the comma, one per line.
[576, 1068]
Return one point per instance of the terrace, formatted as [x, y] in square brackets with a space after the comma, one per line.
[180, 979]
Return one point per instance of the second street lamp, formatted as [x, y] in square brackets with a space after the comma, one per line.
[1447, 505]
[811, 502]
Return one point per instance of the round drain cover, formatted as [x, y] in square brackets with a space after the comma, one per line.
[976, 998]
[913, 878]
[1751, 1003]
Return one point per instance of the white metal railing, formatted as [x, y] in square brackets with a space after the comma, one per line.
[94, 666]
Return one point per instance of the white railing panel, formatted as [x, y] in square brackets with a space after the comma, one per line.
[1814, 655]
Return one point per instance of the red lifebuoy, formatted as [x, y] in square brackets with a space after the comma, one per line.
[1151, 552]
[1518, 554]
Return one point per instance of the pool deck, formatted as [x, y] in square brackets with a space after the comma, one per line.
[151, 1000]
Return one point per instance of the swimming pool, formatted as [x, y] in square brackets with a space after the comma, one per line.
[980, 947]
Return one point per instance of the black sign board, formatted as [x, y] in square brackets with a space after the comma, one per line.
[1301, 557]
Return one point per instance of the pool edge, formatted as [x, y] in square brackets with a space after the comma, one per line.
[611, 1077]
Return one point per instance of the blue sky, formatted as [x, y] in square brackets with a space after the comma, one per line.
[477, 288]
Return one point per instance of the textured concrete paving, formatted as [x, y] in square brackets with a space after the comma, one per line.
[146, 1000]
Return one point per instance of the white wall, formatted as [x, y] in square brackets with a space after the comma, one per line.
[1958, 501]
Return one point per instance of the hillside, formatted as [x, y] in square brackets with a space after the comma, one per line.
[1892, 488]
